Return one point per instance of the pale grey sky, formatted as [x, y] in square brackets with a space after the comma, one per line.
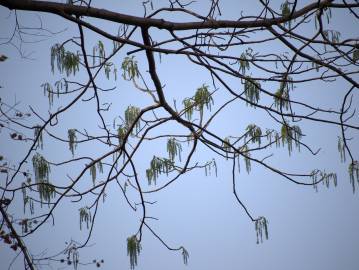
[307, 230]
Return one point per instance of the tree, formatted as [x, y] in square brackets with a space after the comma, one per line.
[259, 68]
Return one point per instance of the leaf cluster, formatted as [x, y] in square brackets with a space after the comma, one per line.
[131, 115]
[157, 167]
[85, 217]
[202, 98]
[174, 149]
[65, 61]
[251, 90]
[130, 68]
[133, 250]
[71, 134]
[261, 227]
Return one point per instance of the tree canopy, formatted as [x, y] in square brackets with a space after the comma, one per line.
[138, 103]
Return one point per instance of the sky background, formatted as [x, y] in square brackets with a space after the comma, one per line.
[307, 229]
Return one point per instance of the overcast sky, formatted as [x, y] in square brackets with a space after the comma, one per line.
[307, 229]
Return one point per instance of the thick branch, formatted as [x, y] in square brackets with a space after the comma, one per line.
[59, 8]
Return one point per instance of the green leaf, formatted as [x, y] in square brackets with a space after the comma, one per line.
[49, 91]
[41, 168]
[332, 35]
[243, 63]
[185, 255]
[133, 250]
[107, 69]
[328, 13]
[245, 152]
[354, 173]
[61, 86]
[93, 173]
[157, 167]
[72, 140]
[121, 133]
[42, 171]
[129, 68]
[65, 61]
[261, 226]
[251, 90]
[85, 216]
[285, 8]
[188, 108]
[356, 55]
[131, 115]
[281, 96]
[254, 133]
[341, 149]
[325, 178]
[286, 11]
[290, 134]
[174, 148]
[203, 98]
[226, 145]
